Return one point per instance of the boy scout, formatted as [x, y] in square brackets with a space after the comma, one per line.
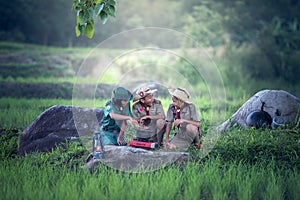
[150, 114]
[185, 117]
[116, 112]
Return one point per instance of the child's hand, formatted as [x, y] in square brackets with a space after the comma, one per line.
[177, 122]
[133, 121]
[168, 145]
[121, 141]
[145, 117]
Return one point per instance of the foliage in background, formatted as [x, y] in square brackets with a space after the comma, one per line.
[268, 31]
[252, 41]
[41, 22]
[35, 21]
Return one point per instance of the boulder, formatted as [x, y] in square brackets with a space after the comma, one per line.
[275, 101]
[56, 125]
[130, 159]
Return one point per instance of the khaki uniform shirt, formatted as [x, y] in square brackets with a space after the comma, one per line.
[188, 112]
[183, 139]
[139, 110]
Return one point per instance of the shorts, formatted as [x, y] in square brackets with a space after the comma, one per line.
[110, 137]
[182, 140]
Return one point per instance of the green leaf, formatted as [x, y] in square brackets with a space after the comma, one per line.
[78, 6]
[103, 17]
[108, 10]
[75, 4]
[112, 11]
[82, 29]
[89, 31]
[98, 1]
[99, 8]
[77, 31]
[111, 2]
[81, 18]
[90, 12]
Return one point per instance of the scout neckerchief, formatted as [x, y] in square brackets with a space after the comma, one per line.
[176, 114]
[146, 108]
[176, 111]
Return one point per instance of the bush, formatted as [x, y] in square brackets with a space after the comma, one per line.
[252, 146]
[9, 143]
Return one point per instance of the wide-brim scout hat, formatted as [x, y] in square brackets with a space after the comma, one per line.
[121, 93]
[143, 92]
[181, 94]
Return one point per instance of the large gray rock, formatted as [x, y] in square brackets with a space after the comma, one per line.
[287, 104]
[56, 125]
[130, 159]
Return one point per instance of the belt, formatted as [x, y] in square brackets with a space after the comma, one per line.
[111, 130]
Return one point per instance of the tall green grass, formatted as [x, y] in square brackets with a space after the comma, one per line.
[33, 178]
[245, 164]
[20, 113]
[280, 146]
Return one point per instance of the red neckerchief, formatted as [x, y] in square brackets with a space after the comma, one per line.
[177, 110]
[177, 113]
[146, 108]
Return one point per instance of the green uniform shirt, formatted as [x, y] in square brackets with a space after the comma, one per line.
[109, 124]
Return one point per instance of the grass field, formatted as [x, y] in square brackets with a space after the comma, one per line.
[36, 178]
[244, 164]
[59, 175]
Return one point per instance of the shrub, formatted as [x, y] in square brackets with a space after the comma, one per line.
[9, 143]
[252, 146]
